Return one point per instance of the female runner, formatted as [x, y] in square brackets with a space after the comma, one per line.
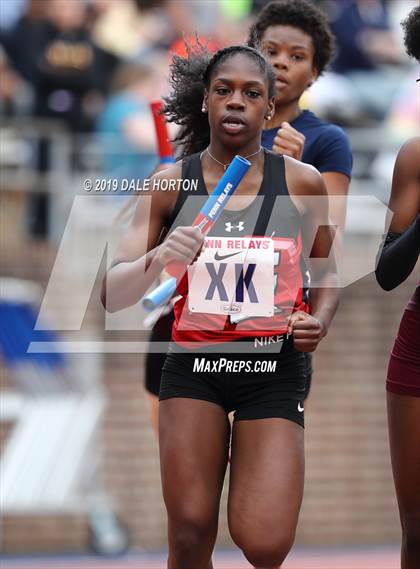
[397, 260]
[281, 204]
[297, 40]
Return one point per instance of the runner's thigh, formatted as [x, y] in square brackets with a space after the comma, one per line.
[266, 481]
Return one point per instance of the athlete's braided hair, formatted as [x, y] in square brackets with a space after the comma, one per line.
[299, 14]
[411, 27]
[188, 78]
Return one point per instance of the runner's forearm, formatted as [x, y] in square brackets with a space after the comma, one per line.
[127, 282]
[398, 256]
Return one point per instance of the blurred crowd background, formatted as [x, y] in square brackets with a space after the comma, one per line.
[79, 460]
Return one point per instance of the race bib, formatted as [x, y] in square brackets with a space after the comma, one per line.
[233, 277]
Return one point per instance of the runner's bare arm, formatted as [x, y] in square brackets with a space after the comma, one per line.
[139, 258]
[337, 185]
[401, 247]
[290, 142]
[404, 203]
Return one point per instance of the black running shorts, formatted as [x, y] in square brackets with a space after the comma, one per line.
[258, 384]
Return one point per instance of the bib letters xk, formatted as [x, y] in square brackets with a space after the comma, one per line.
[233, 276]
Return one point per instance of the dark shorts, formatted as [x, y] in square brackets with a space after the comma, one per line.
[258, 384]
[161, 332]
[404, 364]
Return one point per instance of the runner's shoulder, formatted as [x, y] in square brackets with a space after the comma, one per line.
[409, 155]
[303, 179]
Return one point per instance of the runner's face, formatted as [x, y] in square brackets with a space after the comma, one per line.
[237, 101]
[291, 53]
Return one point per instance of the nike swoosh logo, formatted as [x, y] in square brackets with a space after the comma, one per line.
[300, 408]
[218, 257]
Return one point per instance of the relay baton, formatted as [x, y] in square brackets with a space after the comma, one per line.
[207, 216]
[160, 295]
[164, 146]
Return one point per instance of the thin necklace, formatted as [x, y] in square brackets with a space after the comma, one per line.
[226, 165]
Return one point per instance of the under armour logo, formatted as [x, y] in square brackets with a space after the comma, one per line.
[229, 226]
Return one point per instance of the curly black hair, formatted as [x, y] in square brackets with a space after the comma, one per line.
[411, 27]
[299, 14]
[188, 78]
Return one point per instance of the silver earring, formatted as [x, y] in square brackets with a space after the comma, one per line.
[204, 109]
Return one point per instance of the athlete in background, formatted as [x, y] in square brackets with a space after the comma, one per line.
[296, 38]
[396, 262]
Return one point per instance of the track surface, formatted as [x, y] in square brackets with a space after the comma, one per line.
[332, 558]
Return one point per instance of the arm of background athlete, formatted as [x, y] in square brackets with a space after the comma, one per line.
[337, 184]
[139, 259]
[306, 185]
[334, 161]
[401, 248]
[335, 151]
[321, 257]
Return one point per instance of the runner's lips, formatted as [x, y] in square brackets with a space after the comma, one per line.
[233, 119]
[282, 79]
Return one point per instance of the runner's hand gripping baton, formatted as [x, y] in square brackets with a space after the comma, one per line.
[164, 146]
[207, 216]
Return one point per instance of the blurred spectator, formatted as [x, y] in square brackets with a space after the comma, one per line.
[364, 37]
[130, 28]
[57, 56]
[15, 97]
[71, 70]
[19, 37]
[366, 70]
[69, 75]
[125, 126]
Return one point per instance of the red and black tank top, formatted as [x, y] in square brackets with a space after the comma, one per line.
[271, 214]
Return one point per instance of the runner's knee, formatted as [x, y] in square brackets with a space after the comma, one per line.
[266, 552]
[267, 555]
[190, 531]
